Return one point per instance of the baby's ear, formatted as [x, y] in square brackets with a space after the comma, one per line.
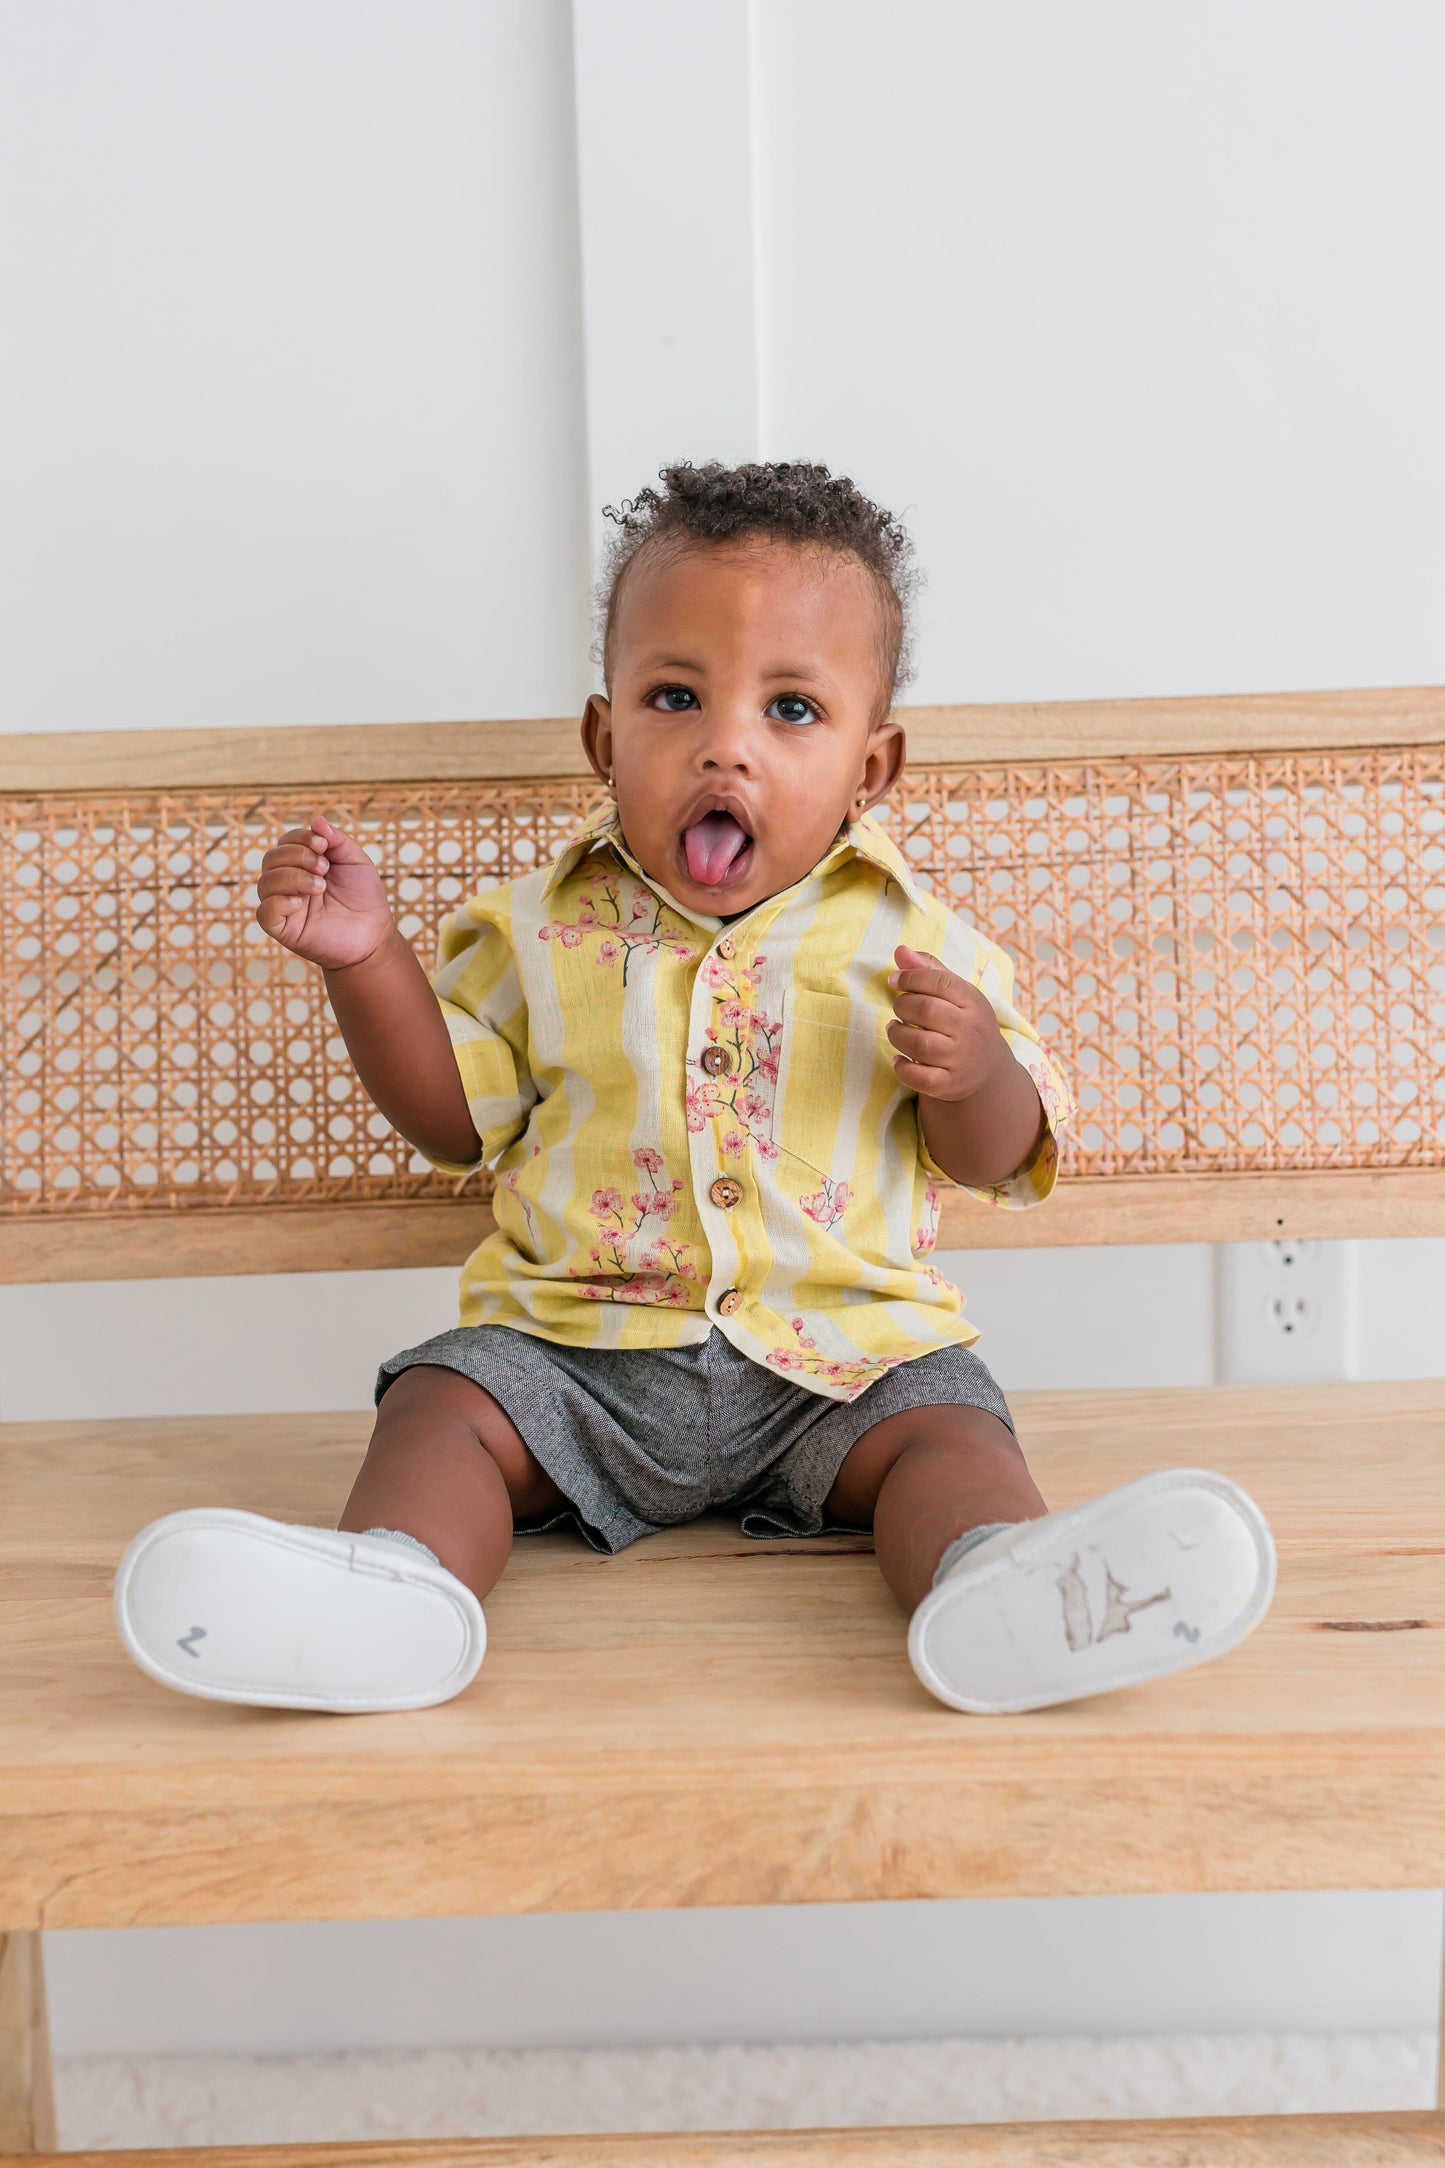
[883, 763]
[597, 736]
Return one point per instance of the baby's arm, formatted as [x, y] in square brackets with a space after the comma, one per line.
[978, 1108]
[321, 896]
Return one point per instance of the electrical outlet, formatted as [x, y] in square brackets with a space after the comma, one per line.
[1285, 1311]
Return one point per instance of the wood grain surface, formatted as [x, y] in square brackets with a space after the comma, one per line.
[705, 1720]
[1294, 2141]
[551, 746]
[158, 1244]
[27, 2095]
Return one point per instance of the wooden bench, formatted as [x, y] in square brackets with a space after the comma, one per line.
[1299, 2141]
[704, 1721]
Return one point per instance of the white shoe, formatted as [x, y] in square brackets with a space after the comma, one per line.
[237, 1608]
[1161, 1575]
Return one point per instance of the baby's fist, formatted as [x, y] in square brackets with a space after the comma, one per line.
[320, 896]
[946, 1033]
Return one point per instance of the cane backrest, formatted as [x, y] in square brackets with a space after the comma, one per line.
[1239, 957]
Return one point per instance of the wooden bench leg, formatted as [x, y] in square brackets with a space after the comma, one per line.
[27, 2096]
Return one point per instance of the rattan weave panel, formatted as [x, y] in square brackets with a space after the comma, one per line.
[1241, 962]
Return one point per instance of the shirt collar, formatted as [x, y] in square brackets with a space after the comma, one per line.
[869, 840]
[599, 827]
[602, 831]
[864, 838]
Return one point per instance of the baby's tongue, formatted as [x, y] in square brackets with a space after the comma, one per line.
[711, 845]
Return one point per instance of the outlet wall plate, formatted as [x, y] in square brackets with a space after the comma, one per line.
[1286, 1312]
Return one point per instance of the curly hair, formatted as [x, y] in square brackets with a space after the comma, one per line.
[787, 500]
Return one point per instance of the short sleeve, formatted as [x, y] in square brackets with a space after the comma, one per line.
[988, 968]
[480, 994]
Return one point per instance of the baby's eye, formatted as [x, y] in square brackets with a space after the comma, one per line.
[791, 708]
[672, 699]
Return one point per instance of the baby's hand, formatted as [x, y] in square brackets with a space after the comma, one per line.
[946, 1032]
[321, 896]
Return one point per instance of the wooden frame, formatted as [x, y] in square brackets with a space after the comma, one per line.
[1293, 2141]
[1289, 2141]
[435, 752]
[255, 1237]
[27, 2097]
[139, 1245]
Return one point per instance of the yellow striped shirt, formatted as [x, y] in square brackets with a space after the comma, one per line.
[697, 1124]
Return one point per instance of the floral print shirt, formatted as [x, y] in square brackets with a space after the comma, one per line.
[695, 1123]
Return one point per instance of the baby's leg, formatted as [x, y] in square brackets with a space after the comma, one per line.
[923, 1478]
[447, 1465]
[1043, 1607]
[235, 1607]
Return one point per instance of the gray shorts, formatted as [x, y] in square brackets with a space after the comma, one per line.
[640, 1439]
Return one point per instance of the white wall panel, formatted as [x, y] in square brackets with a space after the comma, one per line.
[665, 160]
[1051, 1318]
[1401, 1325]
[276, 1342]
[1137, 312]
[294, 428]
[1350, 1960]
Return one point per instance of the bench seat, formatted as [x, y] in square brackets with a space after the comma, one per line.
[706, 1720]
[1294, 2141]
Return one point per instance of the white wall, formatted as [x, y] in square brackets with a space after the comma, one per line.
[1138, 309]
[1350, 1960]
[298, 1341]
[1133, 311]
[295, 421]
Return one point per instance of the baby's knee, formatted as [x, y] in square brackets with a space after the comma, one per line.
[932, 1441]
[946, 1431]
[970, 1433]
[428, 1399]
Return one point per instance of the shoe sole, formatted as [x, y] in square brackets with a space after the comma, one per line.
[228, 1606]
[965, 1629]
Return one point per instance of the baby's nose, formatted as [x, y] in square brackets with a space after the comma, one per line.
[729, 741]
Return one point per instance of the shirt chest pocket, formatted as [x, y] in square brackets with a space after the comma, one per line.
[837, 1072]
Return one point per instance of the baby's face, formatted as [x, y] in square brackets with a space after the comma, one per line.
[745, 722]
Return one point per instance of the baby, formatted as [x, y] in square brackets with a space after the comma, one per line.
[721, 1053]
